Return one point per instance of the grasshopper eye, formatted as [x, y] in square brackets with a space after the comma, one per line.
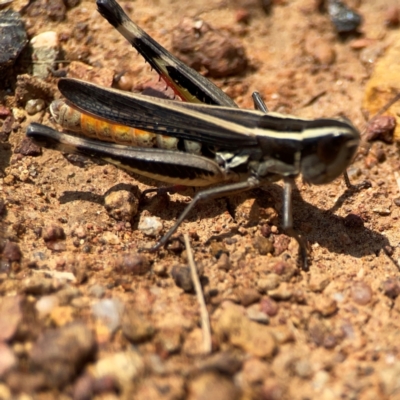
[326, 158]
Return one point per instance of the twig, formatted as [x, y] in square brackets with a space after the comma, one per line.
[397, 177]
[205, 319]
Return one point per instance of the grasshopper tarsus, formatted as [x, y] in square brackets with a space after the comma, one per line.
[302, 258]
[355, 188]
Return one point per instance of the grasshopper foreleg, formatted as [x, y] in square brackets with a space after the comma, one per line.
[288, 222]
[287, 198]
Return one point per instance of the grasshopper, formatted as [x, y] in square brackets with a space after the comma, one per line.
[205, 141]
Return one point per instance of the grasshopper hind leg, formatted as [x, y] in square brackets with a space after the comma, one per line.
[219, 191]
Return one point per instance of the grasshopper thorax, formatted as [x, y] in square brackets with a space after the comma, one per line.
[328, 150]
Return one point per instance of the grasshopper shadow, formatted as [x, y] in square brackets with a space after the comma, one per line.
[91, 197]
[332, 232]
[325, 228]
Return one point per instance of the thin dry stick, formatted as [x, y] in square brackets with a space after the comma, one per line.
[397, 177]
[205, 319]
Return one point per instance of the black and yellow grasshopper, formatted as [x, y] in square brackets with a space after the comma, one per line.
[205, 141]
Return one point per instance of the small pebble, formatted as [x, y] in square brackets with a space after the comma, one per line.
[381, 128]
[135, 327]
[18, 114]
[381, 210]
[285, 270]
[52, 233]
[124, 367]
[283, 292]
[182, 277]
[110, 238]
[122, 205]
[392, 16]
[150, 226]
[80, 232]
[56, 10]
[200, 46]
[248, 296]
[12, 252]
[4, 112]
[211, 385]
[34, 106]
[303, 369]
[125, 82]
[83, 387]
[361, 293]
[135, 264]
[45, 49]
[11, 315]
[254, 371]
[254, 313]
[318, 283]
[391, 288]
[193, 344]
[109, 311]
[263, 245]
[8, 359]
[217, 249]
[61, 352]
[269, 306]
[270, 282]
[283, 334]
[242, 16]
[344, 19]
[71, 3]
[160, 269]
[13, 38]
[281, 244]
[326, 306]
[28, 148]
[255, 339]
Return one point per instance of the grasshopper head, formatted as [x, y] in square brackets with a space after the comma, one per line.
[328, 149]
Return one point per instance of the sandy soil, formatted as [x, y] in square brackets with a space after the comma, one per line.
[83, 315]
